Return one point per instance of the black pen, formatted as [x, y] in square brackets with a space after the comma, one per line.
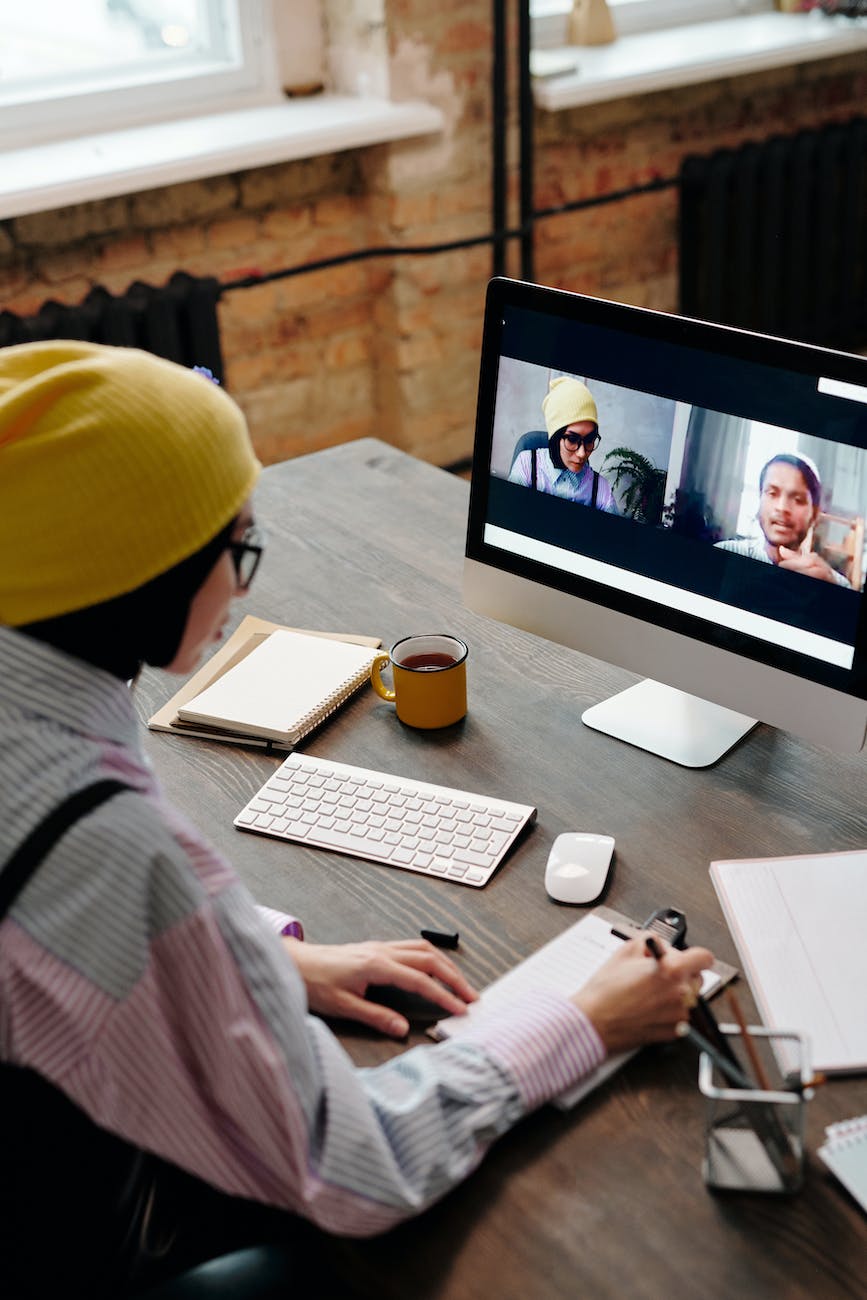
[653, 948]
[732, 1072]
[722, 1056]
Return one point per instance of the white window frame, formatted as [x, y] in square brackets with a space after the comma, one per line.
[549, 17]
[249, 79]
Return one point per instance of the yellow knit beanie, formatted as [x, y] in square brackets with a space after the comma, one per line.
[567, 401]
[115, 465]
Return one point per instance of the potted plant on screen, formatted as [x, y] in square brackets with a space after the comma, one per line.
[643, 484]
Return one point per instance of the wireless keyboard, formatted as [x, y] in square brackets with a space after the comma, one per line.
[452, 834]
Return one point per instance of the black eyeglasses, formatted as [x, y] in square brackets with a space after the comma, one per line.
[575, 440]
[246, 554]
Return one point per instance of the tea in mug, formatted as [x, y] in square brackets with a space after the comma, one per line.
[433, 659]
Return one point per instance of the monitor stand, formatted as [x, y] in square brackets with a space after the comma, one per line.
[668, 722]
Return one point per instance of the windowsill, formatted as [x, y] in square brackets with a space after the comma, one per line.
[681, 56]
[49, 176]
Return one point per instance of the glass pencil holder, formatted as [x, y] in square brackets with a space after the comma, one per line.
[754, 1137]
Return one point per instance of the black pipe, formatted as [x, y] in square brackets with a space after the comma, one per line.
[499, 109]
[501, 235]
[525, 102]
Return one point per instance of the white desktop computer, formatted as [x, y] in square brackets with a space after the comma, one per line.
[684, 500]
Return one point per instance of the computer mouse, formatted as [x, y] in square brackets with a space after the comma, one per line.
[418, 1009]
[578, 866]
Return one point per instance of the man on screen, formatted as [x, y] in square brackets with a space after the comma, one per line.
[790, 492]
[563, 469]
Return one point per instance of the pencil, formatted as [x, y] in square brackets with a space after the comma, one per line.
[749, 1046]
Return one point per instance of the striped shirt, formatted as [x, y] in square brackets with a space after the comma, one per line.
[562, 482]
[139, 977]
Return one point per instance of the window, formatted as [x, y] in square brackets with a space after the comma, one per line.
[66, 69]
[630, 16]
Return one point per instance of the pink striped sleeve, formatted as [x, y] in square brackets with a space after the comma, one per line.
[545, 1042]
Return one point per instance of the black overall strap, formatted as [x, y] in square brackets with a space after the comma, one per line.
[595, 489]
[533, 458]
[43, 837]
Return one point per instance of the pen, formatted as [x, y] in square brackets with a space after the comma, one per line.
[653, 948]
[729, 1068]
[732, 1072]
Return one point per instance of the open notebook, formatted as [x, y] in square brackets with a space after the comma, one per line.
[258, 690]
[563, 965]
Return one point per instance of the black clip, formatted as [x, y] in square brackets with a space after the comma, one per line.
[669, 924]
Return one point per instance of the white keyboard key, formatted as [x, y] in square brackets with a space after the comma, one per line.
[297, 831]
[471, 859]
[387, 819]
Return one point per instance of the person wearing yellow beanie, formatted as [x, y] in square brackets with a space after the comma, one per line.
[563, 468]
[168, 1091]
[126, 529]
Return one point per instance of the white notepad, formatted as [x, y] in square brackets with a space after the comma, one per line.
[798, 924]
[845, 1154]
[561, 966]
[283, 689]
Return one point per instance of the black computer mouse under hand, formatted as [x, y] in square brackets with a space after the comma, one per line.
[417, 1008]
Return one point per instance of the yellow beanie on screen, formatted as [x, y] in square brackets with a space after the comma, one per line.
[567, 401]
[115, 465]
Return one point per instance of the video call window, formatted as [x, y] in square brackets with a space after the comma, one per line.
[727, 508]
[696, 471]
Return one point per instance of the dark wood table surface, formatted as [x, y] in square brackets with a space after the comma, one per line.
[607, 1200]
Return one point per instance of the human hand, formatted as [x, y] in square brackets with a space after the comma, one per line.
[634, 999]
[337, 977]
[810, 563]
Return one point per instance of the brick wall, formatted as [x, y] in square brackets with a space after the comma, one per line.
[389, 346]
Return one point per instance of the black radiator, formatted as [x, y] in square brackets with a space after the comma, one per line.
[177, 320]
[772, 236]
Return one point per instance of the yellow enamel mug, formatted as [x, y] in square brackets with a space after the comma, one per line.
[430, 679]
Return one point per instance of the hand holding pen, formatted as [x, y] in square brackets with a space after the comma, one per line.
[632, 1001]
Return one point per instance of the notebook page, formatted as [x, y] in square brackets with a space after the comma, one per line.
[280, 686]
[562, 966]
[798, 925]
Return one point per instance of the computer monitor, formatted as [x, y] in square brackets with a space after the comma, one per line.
[723, 554]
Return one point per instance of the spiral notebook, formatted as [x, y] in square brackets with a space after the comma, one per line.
[845, 1154]
[281, 690]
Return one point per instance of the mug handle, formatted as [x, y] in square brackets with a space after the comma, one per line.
[380, 662]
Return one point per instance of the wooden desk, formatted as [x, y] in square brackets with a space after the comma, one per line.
[608, 1200]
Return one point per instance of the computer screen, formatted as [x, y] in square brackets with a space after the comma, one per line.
[682, 499]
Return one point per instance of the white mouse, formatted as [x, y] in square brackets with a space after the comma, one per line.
[578, 866]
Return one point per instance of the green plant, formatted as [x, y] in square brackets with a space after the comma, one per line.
[644, 493]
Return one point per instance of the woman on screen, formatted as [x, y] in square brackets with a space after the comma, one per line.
[169, 1089]
[563, 469]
